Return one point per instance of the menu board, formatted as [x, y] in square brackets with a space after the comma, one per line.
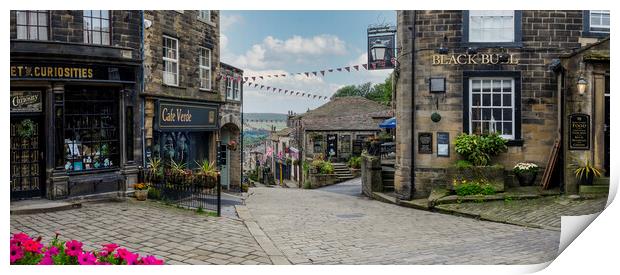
[443, 144]
[425, 143]
[579, 132]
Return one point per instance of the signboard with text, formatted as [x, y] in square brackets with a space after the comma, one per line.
[26, 101]
[182, 116]
[579, 132]
[381, 47]
[425, 143]
[62, 71]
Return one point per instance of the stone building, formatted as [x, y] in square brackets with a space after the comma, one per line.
[230, 124]
[489, 71]
[74, 84]
[183, 96]
[337, 129]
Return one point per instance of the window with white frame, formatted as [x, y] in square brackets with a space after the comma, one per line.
[492, 106]
[32, 24]
[204, 15]
[237, 89]
[599, 20]
[491, 26]
[205, 68]
[171, 60]
[229, 87]
[97, 27]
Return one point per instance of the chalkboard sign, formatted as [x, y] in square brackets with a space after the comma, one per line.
[358, 145]
[579, 132]
[443, 144]
[425, 143]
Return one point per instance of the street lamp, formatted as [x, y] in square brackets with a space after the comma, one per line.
[582, 85]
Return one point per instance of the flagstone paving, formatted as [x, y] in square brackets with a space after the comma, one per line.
[325, 227]
[178, 236]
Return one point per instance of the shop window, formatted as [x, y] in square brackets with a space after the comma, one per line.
[171, 60]
[345, 144]
[492, 104]
[502, 27]
[317, 141]
[91, 130]
[229, 88]
[129, 124]
[596, 23]
[97, 27]
[205, 68]
[181, 147]
[32, 24]
[204, 15]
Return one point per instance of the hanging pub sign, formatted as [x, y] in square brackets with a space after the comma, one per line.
[425, 143]
[183, 116]
[62, 71]
[381, 47]
[579, 132]
[26, 101]
[443, 144]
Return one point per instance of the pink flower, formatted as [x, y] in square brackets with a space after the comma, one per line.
[74, 248]
[87, 258]
[109, 248]
[46, 260]
[16, 253]
[124, 254]
[32, 246]
[51, 251]
[19, 238]
[151, 260]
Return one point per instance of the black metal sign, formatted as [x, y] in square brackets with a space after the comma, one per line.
[443, 144]
[425, 143]
[381, 47]
[579, 132]
[64, 71]
[182, 116]
[26, 101]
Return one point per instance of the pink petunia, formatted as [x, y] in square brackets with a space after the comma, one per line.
[16, 253]
[73, 248]
[109, 248]
[21, 236]
[51, 251]
[32, 246]
[46, 260]
[124, 254]
[151, 260]
[87, 258]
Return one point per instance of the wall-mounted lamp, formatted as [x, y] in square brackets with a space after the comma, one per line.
[582, 85]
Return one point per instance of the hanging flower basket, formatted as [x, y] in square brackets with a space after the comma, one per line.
[232, 145]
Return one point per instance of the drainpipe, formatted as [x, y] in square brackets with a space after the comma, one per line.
[412, 175]
[241, 138]
[142, 88]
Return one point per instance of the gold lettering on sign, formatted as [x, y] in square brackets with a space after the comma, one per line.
[468, 59]
[51, 72]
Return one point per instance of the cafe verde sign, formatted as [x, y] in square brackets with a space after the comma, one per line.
[186, 117]
[469, 59]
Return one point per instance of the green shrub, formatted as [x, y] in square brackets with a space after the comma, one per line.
[326, 168]
[467, 188]
[479, 149]
[462, 164]
[154, 193]
[307, 185]
[306, 168]
[355, 162]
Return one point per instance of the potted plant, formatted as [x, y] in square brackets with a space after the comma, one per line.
[526, 173]
[586, 173]
[154, 173]
[177, 171]
[141, 191]
[207, 174]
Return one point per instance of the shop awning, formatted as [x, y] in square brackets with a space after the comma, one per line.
[389, 123]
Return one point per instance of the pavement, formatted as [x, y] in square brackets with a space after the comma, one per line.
[179, 236]
[332, 225]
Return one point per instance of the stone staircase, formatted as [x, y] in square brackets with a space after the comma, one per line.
[342, 171]
[387, 176]
[599, 187]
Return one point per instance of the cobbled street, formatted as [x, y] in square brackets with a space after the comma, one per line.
[332, 226]
[178, 236]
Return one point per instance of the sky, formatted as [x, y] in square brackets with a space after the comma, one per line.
[283, 42]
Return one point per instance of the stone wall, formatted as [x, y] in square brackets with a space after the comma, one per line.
[546, 35]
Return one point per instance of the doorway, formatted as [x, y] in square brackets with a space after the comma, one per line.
[332, 146]
[27, 158]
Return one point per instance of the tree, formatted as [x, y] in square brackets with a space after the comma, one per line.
[380, 92]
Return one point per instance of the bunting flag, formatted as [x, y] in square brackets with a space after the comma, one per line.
[255, 85]
[261, 77]
[339, 69]
[307, 74]
[262, 86]
[356, 67]
[254, 78]
[245, 78]
[365, 66]
[348, 69]
[314, 73]
[331, 70]
[323, 73]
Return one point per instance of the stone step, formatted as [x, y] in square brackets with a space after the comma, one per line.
[388, 188]
[601, 181]
[594, 189]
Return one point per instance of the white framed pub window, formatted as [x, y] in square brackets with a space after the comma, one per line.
[599, 21]
[171, 61]
[492, 106]
[205, 69]
[491, 26]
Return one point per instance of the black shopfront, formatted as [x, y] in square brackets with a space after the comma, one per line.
[73, 130]
[184, 132]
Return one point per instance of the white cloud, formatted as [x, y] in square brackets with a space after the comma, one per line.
[273, 52]
[229, 20]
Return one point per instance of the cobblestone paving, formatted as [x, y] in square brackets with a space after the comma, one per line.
[318, 227]
[179, 236]
[545, 211]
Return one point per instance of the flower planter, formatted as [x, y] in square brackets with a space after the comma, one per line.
[587, 180]
[141, 194]
[493, 175]
[527, 178]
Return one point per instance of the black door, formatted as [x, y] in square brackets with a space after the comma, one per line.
[27, 162]
[607, 126]
[332, 146]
